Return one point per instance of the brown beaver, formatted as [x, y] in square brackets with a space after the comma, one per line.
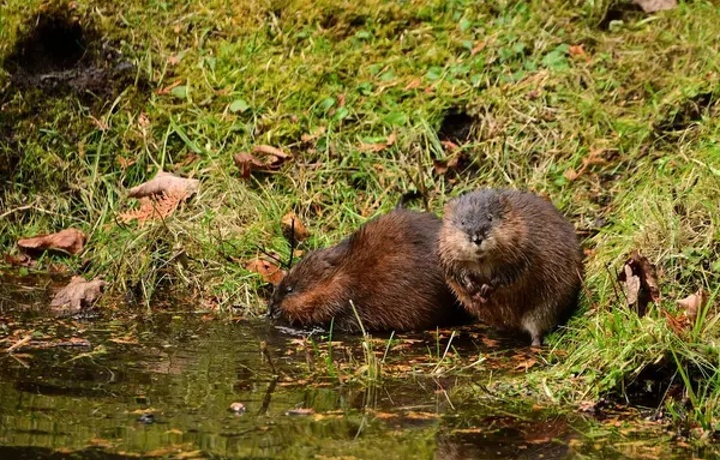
[390, 271]
[512, 259]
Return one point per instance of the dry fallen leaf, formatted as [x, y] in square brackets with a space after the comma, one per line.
[77, 295]
[380, 146]
[525, 365]
[124, 162]
[693, 303]
[293, 228]
[165, 183]
[652, 6]
[20, 260]
[577, 51]
[167, 89]
[70, 240]
[269, 272]
[415, 83]
[160, 196]
[272, 151]
[490, 343]
[441, 167]
[273, 160]
[640, 280]
[593, 158]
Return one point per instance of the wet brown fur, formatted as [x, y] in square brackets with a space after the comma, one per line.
[390, 271]
[535, 265]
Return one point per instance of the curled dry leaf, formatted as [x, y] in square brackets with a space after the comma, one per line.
[77, 295]
[693, 303]
[652, 6]
[640, 279]
[269, 272]
[165, 183]
[20, 260]
[70, 240]
[272, 161]
[593, 158]
[293, 228]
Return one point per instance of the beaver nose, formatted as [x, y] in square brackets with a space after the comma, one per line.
[273, 310]
[477, 239]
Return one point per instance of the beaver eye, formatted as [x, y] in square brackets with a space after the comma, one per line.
[288, 289]
[490, 217]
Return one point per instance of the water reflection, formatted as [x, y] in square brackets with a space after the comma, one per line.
[86, 400]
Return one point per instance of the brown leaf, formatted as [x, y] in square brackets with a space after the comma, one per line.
[155, 208]
[274, 159]
[593, 158]
[652, 6]
[571, 174]
[124, 162]
[380, 146]
[441, 167]
[640, 280]
[164, 183]
[70, 240]
[577, 51]
[247, 163]
[413, 84]
[293, 228]
[477, 48]
[77, 295]
[693, 303]
[269, 272]
[20, 260]
[167, 89]
[490, 343]
[525, 365]
[272, 151]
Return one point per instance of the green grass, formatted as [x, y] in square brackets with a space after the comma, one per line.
[643, 97]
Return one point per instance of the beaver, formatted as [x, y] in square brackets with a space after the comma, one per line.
[512, 260]
[388, 269]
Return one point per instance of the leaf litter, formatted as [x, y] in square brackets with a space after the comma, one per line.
[70, 241]
[160, 197]
[273, 159]
[640, 280]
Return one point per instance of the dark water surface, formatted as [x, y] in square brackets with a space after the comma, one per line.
[88, 393]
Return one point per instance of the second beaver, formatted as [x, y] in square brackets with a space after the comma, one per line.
[388, 269]
[512, 259]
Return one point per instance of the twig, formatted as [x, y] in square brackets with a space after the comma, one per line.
[587, 292]
[19, 343]
[12, 211]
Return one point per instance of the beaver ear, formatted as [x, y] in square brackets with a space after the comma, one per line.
[335, 255]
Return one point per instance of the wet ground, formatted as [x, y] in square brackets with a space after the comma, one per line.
[161, 386]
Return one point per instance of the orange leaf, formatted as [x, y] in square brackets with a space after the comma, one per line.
[293, 228]
[269, 272]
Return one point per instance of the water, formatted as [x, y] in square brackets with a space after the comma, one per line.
[83, 389]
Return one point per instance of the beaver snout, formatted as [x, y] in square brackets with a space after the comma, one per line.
[477, 239]
[274, 311]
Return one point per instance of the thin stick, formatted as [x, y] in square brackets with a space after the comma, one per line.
[612, 282]
[292, 243]
[12, 211]
[19, 343]
[586, 290]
